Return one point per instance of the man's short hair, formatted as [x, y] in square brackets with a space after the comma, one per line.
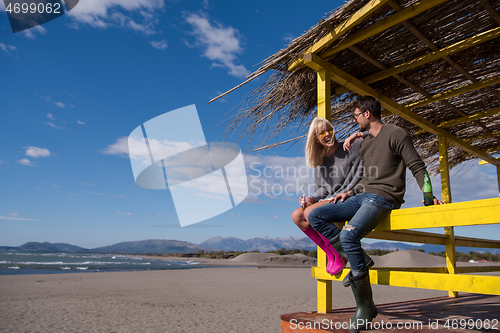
[364, 103]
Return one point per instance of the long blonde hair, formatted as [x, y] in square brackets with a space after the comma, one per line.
[314, 150]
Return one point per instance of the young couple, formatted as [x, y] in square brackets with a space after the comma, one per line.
[360, 181]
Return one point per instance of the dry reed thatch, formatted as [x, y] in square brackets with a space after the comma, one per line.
[288, 99]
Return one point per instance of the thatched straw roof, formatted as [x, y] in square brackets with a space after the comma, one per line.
[288, 98]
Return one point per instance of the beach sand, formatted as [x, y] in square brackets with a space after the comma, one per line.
[191, 300]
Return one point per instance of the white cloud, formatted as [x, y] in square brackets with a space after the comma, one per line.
[59, 104]
[288, 38]
[7, 48]
[30, 33]
[88, 184]
[159, 215]
[134, 148]
[13, 214]
[159, 45]
[37, 152]
[53, 126]
[109, 13]
[94, 193]
[26, 162]
[16, 218]
[80, 122]
[50, 116]
[220, 44]
[122, 196]
[211, 196]
[122, 213]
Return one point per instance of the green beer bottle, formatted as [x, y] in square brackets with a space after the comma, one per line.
[427, 189]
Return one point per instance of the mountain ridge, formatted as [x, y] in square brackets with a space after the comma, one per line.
[218, 243]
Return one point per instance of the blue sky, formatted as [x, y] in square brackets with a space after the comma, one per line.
[74, 88]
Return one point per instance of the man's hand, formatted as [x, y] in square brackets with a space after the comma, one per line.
[350, 140]
[341, 196]
[436, 202]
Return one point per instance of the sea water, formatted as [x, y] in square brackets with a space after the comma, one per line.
[15, 263]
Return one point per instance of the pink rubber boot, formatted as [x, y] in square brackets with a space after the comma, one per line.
[335, 262]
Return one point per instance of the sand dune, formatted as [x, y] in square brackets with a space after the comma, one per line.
[408, 258]
[250, 258]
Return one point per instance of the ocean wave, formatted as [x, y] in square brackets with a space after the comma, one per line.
[73, 263]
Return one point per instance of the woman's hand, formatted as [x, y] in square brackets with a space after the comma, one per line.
[341, 197]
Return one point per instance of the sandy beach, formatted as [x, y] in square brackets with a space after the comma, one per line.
[192, 300]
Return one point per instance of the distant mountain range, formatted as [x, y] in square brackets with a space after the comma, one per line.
[220, 244]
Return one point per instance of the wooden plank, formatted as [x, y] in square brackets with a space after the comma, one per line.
[454, 92]
[341, 29]
[350, 82]
[431, 315]
[477, 212]
[481, 284]
[457, 47]
[384, 24]
[431, 238]
[461, 120]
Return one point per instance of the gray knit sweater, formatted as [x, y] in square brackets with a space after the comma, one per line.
[339, 172]
[385, 160]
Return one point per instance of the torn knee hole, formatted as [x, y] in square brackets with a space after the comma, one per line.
[349, 227]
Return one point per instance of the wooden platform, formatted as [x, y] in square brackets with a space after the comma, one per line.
[467, 313]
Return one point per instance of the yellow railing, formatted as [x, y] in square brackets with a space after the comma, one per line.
[450, 278]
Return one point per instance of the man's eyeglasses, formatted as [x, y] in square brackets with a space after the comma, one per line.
[356, 115]
[323, 132]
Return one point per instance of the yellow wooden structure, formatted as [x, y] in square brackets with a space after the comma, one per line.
[395, 227]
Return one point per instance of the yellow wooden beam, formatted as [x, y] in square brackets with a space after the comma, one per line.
[444, 169]
[457, 47]
[341, 29]
[384, 24]
[483, 136]
[350, 82]
[413, 236]
[451, 259]
[324, 296]
[477, 212]
[461, 120]
[324, 287]
[480, 284]
[454, 92]
[324, 95]
[320, 273]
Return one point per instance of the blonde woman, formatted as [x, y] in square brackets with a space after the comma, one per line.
[336, 171]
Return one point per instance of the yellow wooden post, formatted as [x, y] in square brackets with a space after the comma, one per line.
[324, 95]
[498, 178]
[324, 292]
[451, 260]
[324, 111]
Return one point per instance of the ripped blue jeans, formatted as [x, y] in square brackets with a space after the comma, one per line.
[364, 211]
